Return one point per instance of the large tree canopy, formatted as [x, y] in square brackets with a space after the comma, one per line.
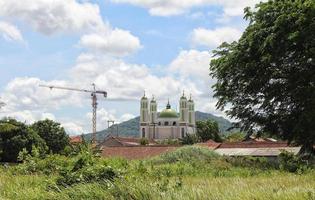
[267, 79]
[15, 136]
[54, 135]
[207, 130]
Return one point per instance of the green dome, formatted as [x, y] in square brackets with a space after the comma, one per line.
[168, 113]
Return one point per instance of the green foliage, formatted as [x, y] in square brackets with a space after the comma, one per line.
[169, 142]
[189, 154]
[189, 139]
[207, 130]
[291, 163]
[235, 137]
[190, 172]
[16, 136]
[144, 141]
[267, 76]
[54, 135]
[252, 162]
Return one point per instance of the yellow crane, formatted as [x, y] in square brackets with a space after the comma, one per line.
[93, 93]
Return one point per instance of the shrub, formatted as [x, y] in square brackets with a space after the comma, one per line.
[189, 139]
[144, 141]
[291, 163]
[189, 154]
[251, 162]
[86, 174]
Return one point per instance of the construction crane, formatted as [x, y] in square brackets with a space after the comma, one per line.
[93, 93]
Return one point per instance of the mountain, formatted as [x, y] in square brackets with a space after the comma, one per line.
[130, 128]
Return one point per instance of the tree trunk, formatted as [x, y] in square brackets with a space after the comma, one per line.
[307, 150]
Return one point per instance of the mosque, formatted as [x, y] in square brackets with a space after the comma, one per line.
[167, 124]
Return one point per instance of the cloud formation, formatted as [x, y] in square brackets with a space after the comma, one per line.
[213, 38]
[116, 42]
[51, 17]
[176, 7]
[10, 32]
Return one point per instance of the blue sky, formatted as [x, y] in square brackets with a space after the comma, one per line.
[124, 46]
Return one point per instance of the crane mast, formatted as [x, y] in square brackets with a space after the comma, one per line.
[93, 93]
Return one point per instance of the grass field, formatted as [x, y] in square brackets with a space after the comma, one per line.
[179, 175]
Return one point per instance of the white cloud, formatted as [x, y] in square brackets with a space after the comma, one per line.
[24, 93]
[73, 128]
[126, 81]
[68, 16]
[53, 16]
[176, 7]
[116, 43]
[192, 63]
[10, 32]
[126, 117]
[28, 116]
[213, 38]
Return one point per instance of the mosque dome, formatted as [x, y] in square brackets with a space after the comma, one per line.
[168, 112]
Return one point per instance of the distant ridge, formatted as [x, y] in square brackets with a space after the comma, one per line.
[130, 128]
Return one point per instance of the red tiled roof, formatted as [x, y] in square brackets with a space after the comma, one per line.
[210, 144]
[253, 144]
[125, 141]
[136, 152]
[75, 139]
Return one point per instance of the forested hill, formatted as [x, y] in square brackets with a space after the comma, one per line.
[130, 128]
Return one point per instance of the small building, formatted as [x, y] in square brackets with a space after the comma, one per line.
[76, 139]
[167, 124]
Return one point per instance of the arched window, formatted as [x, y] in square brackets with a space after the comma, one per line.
[174, 123]
[143, 132]
[166, 123]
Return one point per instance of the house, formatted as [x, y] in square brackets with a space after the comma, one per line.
[75, 139]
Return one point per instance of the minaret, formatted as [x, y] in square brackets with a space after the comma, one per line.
[144, 116]
[153, 111]
[183, 109]
[191, 112]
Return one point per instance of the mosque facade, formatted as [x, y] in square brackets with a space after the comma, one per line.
[167, 124]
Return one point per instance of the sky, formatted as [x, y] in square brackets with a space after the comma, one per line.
[125, 47]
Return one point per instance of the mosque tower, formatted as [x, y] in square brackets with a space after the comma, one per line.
[183, 109]
[144, 117]
[153, 111]
[191, 112]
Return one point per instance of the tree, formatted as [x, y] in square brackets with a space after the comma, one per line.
[14, 137]
[189, 139]
[267, 77]
[235, 137]
[207, 130]
[54, 135]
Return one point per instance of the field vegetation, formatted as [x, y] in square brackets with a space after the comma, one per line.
[187, 173]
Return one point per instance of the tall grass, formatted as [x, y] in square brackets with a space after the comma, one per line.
[188, 173]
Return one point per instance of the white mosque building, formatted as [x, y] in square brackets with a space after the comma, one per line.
[167, 124]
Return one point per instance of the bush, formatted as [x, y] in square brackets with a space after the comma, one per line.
[189, 154]
[291, 163]
[189, 139]
[251, 162]
[86, 174]
[144, 141]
